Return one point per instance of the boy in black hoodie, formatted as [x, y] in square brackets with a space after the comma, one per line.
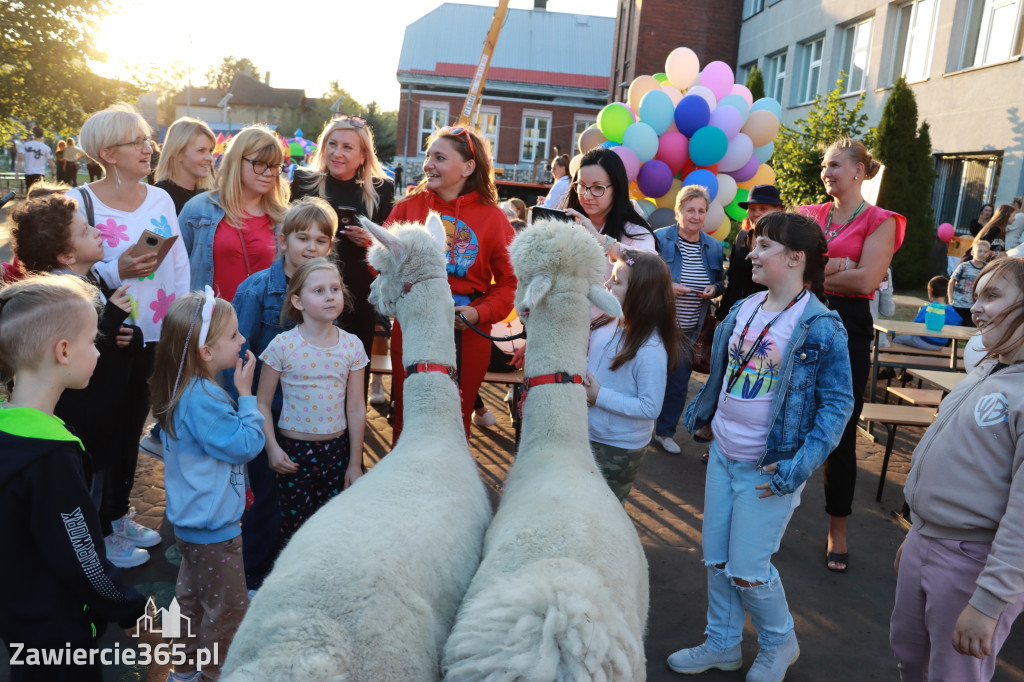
[59, 588]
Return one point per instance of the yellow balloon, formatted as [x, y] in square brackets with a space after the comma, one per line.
[723, 230]
[765, 175]
[634, 191]
[640, 86]
[669, 200]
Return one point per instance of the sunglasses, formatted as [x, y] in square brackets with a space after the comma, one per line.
[455, 132]
[354, 121]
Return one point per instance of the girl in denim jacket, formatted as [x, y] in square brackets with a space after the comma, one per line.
[777, 399]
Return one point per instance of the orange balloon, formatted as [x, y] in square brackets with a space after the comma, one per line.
[761, 127]
[640, 86]
[765, 175]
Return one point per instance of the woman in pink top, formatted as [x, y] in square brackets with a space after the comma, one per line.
[861, 241]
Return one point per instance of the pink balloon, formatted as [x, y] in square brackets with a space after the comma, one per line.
[743, 92]
[727, 119]
[629, 160]
[946, 232]
[718, 77]
[674, 150]
[746, 172]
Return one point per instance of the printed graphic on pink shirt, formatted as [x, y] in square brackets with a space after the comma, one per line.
[761, 372]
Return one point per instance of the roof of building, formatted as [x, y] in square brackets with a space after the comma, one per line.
[246, 91]
[536, 46]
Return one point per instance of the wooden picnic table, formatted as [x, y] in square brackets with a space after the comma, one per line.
[947, 381]
[953, 332]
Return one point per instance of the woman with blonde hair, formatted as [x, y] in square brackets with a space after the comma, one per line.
[346, 172]
[230, 231]
[185, 168]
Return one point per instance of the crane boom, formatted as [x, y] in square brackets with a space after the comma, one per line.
[472, 103]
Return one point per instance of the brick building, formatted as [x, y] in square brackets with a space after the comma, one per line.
[647, 30]
[547, 82]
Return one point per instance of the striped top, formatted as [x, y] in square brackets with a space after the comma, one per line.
[693, 276]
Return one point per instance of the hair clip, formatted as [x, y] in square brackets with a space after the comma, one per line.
[207, 315]
[629, 262]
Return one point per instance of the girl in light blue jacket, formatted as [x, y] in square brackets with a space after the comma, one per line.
[627, 364]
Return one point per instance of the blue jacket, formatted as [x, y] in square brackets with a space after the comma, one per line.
[198, 222]
[812, 405]
[204, 465]
[711, 251]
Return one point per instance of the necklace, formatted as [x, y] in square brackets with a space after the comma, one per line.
[829, 233]
[734, 374]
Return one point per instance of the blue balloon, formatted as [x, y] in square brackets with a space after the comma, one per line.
[708, 145]
[608, 144]
[642, 139]
[768, 104]
[704, 178]
[764, 152]
[692, 114]
[738, 103]
[657, 110]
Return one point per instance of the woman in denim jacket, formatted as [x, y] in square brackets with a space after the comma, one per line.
[777, 399]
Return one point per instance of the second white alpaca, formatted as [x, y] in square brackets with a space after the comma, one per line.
[368, 587]
[562, 590]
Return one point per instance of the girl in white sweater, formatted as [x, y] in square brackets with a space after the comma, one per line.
[628, 361]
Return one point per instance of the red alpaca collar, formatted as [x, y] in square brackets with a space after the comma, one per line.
[555, 378]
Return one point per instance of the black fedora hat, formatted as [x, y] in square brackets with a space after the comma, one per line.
[762, 194]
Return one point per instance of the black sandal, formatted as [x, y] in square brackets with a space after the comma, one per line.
[837, 558]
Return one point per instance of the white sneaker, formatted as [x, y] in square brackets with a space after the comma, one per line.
[377, 394]
[140, 536]
[486, 419]
[771, 664]
[703, 657]
[122, 553]
[668, 445]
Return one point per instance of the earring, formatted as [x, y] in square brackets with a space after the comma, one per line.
[856, 177]
[117, 176]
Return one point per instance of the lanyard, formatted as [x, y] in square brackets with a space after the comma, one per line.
[734, 375]
[840, 228]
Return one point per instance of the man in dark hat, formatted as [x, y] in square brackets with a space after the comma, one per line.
[762, 199]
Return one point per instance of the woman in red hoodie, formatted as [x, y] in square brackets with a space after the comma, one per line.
[458, 184]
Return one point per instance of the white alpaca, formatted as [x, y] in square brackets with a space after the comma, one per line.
[562, 590]
[368, 588]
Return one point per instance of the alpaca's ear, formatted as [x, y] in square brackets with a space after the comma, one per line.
[537, 289]
[604, 300]
[390, 242]
[435, 227]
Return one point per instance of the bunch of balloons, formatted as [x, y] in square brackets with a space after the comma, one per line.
[689, 127]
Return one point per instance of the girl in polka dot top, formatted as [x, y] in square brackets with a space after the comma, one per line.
[318, 449]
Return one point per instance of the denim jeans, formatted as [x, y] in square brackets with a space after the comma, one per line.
[743, 531]
[676, 387]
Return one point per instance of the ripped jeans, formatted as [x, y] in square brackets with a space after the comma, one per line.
[741, 532]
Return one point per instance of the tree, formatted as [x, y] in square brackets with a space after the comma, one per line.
[755, 83]
[221, 75]
[384, 125]
[906, 188]
[44, 45]
[798, 150]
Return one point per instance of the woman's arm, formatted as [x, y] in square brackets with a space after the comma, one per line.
[864, 276]
[355, 414]
[279, 460]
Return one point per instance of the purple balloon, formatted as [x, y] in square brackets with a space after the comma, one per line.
[692, 114]
[726, 119]
[654, 179]
[748, 171]
[738, 153]
[704, 178]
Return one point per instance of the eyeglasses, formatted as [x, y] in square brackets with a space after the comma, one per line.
[595, 190]
[354, 121]
[455, 132]
[261, 167]
[138, 143]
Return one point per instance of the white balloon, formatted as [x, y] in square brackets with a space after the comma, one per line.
[706, 93]
[726, 189]
[974, 352]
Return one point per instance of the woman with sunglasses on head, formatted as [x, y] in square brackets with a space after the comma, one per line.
[122, 208]
[458, 184]
[599, 200]
[230, 231]
[345, 172]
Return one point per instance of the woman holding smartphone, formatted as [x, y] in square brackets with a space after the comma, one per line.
[346, 173]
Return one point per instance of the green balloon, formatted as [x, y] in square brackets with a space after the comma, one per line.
[734, 210]
[661, 77]
[613, 121]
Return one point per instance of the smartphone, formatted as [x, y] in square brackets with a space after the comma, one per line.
[538, 213]
[151, 242]
[347, 217]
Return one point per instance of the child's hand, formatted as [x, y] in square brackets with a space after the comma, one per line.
[279, 460]
[973, 634]
[765, 487]
[899, 555]
[129, 266]
[244, 373]
[352, 474]
[592, 386]
[120, 298]
[124, 337]
[518, 358]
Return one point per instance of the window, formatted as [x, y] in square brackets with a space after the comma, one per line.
[536, 132]
[743, 72]
[752, 7]
[856, 42]
[991, 32]
[488, 122]
[432, 117]
[915, 31]
[963, 182]
[810, 70]
[578, 126]
[775, 75]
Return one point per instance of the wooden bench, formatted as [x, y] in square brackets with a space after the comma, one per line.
[925, 397]
[905, 361]
[938, 351]
[893, 416]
